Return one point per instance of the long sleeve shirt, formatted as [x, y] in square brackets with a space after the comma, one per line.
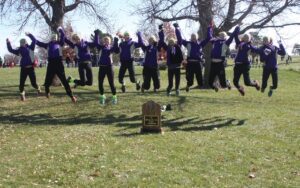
[26, 52]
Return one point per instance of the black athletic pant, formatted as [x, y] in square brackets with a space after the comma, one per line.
[124, 66]
[265, 77]
[217, 69]
[171, 73]
[103, 71]
[242, 69]
[194, 68]
[148, 74]
[55, 66]
[85, 74]
[23, 76]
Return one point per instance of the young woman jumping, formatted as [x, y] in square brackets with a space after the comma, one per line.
[27, 60]
[82, 50]
[55, 63]
[174, 60]
[105, 65]
[268, 55]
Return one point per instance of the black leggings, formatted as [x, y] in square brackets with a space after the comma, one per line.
[171, 73]
[148, 74]
[23, 76]
[217, 69]
[55, 66]
[103, 71]
[194, 68]
[124, 66]
[242, 69]
[265, 77]
[85, 74]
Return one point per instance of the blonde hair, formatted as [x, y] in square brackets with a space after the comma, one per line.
[152, 37]
[246, 37]
[171, 40]
[107, 38]
[75, 37]
[267, 39]
[222, 35]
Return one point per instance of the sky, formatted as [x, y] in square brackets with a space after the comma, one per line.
[124, 20]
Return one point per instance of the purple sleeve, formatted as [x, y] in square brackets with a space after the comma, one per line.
[180, 41]
[97, 42]
[208, 37]
[33, 41]
[41, 44]
[161, 42]
[141, 42]
[233, 34]
[115, 48]
[281, 51]
[62, 37]
[11, 50]
[70, 43]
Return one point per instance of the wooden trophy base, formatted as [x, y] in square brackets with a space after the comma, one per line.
[152, 130]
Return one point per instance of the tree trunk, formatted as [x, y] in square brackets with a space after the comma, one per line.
[58, 15]
[205, 18]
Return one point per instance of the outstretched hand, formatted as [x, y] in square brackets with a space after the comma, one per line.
[27, 33]
[175, 25]
[160, 27]
[7, 40]
[59, 28]
[138, 33]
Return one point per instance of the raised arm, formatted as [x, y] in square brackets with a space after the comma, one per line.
[180, 41]
[236, 38]
[255, 49]
[10, 49]
[140, 41]
[161, 41]
[115, 48]
[70, 43]
[33, 41]
[62, 37]
[281, 50]
[96, 40]
[42, 44]
[233, 34]
[208, 37]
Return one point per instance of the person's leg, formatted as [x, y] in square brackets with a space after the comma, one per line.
[177, 78]
[122, 72]
[81, 71]
[265, 77]
[237, 72]
[222, 75]
[60, 72]
[155, 78]
[170, 80]
[189, 75]
[147, 78]
[89, 74]
[32, 78]
[49, 77]
[247, 80]
[23, 76]
[198, 72]
[131, 72]
[212, 75]
[101, 76]
[110, 76]
[274, 74]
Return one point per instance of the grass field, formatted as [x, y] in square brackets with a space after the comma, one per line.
[211, 139]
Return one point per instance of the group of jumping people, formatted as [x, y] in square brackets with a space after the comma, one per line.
[174, 57]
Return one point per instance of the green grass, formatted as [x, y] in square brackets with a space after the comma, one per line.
[211, 139]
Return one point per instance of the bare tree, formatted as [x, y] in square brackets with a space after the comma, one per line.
[51, 11]
[253, 14]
